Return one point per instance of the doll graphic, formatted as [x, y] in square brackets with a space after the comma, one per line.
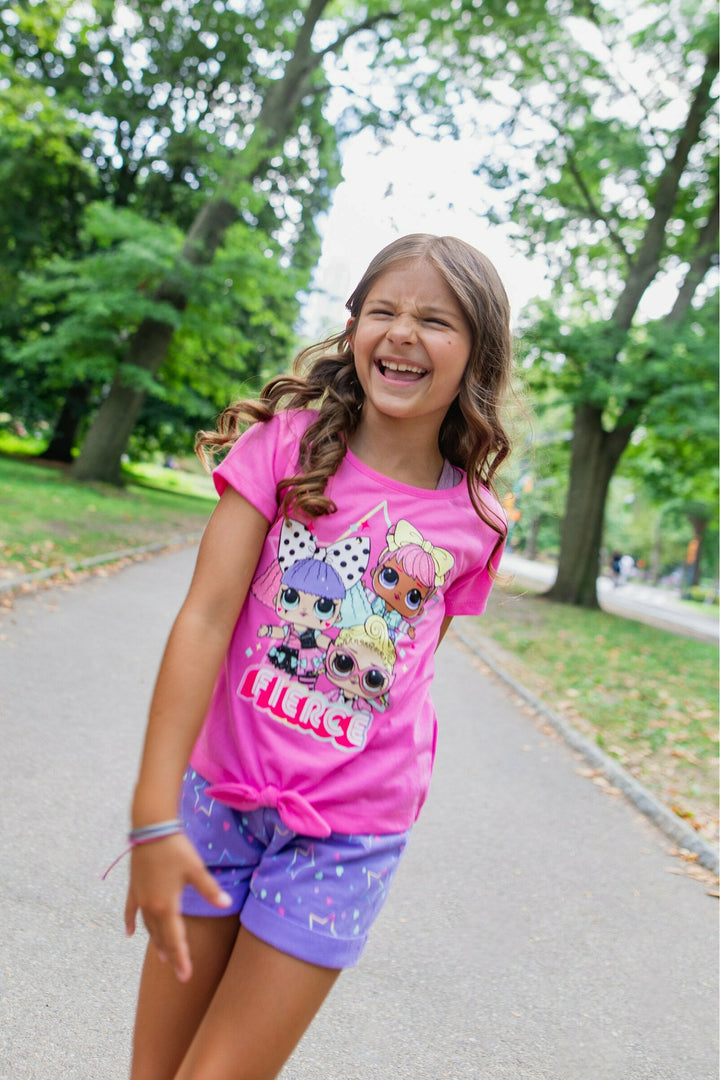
[306, 587]
[360, 664]
[406, 576]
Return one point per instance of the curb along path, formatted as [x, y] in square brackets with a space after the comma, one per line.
[647, 803]
[62, 571]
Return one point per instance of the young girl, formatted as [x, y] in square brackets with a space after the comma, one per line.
[296, 805]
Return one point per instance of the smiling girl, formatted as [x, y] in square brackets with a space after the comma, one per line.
[269, 815]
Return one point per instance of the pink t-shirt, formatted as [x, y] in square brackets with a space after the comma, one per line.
[322, 708]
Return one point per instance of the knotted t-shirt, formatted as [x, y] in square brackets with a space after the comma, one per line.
[322, 707]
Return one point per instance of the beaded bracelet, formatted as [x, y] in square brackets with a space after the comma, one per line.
[145, 835]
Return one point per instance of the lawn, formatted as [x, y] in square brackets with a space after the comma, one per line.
[48, 519]
[647, 696]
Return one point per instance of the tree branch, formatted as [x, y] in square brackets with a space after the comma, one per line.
[367, 24]
[647, 261]
[591, 206]
[705, 256]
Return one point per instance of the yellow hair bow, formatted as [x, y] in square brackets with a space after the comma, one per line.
[404, 533]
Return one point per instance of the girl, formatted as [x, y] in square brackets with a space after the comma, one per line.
[295, 808]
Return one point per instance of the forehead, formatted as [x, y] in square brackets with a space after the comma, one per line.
[416, 283]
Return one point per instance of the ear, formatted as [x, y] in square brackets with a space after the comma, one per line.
[349, 327]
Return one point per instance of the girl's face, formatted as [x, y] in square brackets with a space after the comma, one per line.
[358, 670]
[411, 343]
[305, 609]
[400, 592]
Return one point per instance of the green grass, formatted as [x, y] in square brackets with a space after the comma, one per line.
[647, 696]
[48, 519]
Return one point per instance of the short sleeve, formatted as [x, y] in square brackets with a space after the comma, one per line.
[468, 594]
[261, 457]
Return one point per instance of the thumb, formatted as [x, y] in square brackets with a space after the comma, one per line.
[208, 888]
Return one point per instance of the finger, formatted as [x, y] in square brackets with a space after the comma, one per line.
[208, 888]
[131, 910]
[171, 945]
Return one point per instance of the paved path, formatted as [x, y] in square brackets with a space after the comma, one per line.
[534, 932]
[635, 600]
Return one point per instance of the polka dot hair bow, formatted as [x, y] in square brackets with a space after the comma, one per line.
[348, 558]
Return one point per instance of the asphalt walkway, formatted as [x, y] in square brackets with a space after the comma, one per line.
[634, 599]
[538, 930]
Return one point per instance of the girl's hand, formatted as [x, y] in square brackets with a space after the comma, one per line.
[159, 871]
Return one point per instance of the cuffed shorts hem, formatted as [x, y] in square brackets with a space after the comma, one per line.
[314, 946]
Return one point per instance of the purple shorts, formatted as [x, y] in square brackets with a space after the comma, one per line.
[315, 899]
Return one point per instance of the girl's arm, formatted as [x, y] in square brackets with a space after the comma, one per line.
[226, 563]
[444, 628]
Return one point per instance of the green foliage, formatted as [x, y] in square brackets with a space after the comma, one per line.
[673, 457]
[148, 111]
[237, 327]
[614, 184]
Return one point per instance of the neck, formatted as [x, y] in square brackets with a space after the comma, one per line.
[401, 450]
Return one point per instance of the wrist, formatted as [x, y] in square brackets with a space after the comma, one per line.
[148, 809]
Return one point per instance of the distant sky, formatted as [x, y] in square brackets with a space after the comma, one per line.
[414, 185]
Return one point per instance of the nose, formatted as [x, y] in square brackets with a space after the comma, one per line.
[402, 328]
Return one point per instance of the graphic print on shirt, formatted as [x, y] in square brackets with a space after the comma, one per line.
[407, 575]
[307, 585]
[313, 590]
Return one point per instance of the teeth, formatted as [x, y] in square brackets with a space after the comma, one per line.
[402, 367]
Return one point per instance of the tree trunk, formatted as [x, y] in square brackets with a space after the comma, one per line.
[105, 442]
[595, 454]
[64, 437]
[531, 548]
[107, 438]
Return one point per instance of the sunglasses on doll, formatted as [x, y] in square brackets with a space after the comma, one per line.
[343, 666]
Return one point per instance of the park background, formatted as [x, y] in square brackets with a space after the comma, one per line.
[189, 190]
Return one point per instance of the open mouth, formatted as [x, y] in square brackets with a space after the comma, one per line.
[400, 370]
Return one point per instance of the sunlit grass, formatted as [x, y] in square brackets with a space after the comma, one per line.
[48, 519]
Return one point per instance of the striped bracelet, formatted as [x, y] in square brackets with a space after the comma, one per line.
[145, 835]
[148, 833]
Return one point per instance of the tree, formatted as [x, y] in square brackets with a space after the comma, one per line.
[165, 97]
[45, 185]
[674, 455]
[100, 299]
[285, 124]
[282, 130]
[621, 193]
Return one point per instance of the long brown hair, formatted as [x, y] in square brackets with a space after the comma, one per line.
[472, 435]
